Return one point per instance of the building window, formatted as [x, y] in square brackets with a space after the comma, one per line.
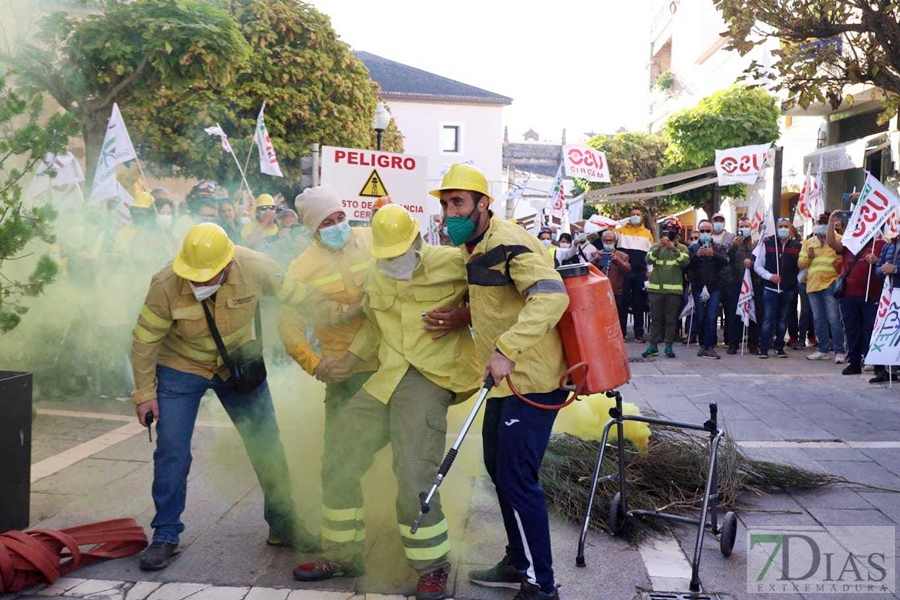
[788, 122]
[451, 140]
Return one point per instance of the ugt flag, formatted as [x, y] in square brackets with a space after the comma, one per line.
[876, 204]
[117, 149]
[746, 306]
[268, 163]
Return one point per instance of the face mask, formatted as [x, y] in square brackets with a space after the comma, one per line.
[164, 221]
[565, 245]
[672, 235]
[745, 232]
[784, 233]
[244, 220]
[609, 247]
[336, 236]
[822, 229]
[401, 267]
[705, 236]
[461, 229]
[718, 227]
[546, 243]
[202, 292]
[635, 220]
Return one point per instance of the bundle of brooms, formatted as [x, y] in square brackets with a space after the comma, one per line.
[670, 475]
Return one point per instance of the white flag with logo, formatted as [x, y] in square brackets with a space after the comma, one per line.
[68, 171]
[220, 133]
[875, 205]
[803, 209]
[884, 347]
[117, 149]
[268, 162]
[741, 165]
[746, 307]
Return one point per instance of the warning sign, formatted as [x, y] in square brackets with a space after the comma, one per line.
[374, 188]
[363, 176]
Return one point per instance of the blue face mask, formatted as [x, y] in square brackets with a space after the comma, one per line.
[784, 233]
[609, 247]
[718, 227]
[705, 237]
[822, 229]
[745, 232]
[635, 220]
[336, 236]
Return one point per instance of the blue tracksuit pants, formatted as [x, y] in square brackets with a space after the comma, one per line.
[515, 437]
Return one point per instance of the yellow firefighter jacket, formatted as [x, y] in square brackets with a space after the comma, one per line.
[395, 331]
[516, 298]
[172, 331]
[822, 270]
[340, 276]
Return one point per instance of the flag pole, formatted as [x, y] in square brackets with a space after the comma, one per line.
[869, 278]
[238, 163]
[253, 141]
[743, 337]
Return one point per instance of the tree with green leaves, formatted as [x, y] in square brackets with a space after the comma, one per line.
[633, 156]
[737, 116]
[126, 52]
[315, 89]
[823, 46]
[23, 142]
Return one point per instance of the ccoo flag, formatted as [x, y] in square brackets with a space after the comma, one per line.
[117, 149]
[268, 162]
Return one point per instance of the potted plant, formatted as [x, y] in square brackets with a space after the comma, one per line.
[665, 81]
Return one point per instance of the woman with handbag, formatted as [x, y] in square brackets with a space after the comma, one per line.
[196, 332]
[858, 288]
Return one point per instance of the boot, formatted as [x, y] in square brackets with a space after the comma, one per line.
[432, 586]
[322, 568]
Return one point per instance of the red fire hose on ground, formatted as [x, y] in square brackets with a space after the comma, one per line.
[44, 555]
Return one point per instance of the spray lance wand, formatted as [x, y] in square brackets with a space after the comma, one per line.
[424, 498]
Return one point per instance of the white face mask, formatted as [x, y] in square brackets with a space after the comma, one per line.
[202, 292]
[164, 221]
[244, 220]
[401, 267]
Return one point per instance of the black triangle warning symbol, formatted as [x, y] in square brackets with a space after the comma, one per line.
[374, 187]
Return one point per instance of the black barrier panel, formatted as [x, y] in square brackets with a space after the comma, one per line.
[15, 449]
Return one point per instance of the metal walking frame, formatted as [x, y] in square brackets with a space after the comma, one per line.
[618, 510]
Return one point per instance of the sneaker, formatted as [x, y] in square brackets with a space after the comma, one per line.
[852, 370]
[502, 575]
[818, 356]
[813, 341]
[839, 358]
[432, 586]
[651, 350]
[883, 377]
[763, 354]
[530, 591]
[711, 353]
[731, 350]
[158, 556]
[781, 353]
[298, 538]
[669, 352]
[321, 569]
[792, 341]
[701, 352]
[639, 339]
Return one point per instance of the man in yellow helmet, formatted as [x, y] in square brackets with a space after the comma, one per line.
[516, 299]
[212, 289]
[404, 403]
[254, 233]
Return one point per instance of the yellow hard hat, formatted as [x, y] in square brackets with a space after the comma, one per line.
[206, 251]
[393, 231]
[142, 200]
[264, 200]
[463, 177]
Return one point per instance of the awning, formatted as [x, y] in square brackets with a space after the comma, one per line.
[841, 157]
[603, 195]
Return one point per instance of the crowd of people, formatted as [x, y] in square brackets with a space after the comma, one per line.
[808, 292]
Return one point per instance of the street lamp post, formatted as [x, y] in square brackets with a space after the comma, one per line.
[380, 121]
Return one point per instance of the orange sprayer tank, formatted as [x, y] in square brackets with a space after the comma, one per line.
[590, 329]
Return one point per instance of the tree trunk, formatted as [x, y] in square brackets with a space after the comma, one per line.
[93, 132]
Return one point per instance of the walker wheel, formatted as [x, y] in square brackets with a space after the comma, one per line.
[728, 533]
[616, 517]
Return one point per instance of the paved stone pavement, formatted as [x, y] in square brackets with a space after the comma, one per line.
[793, 410]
